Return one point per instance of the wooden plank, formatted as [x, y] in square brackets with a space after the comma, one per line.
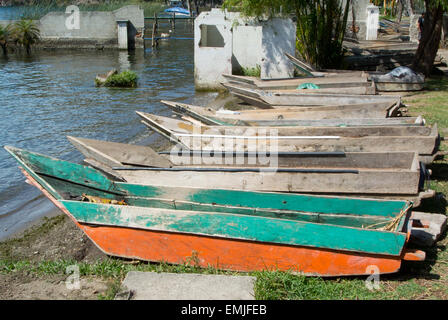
[117, 154]
[423, 145]
[365, 182]
[375, 110]
[213, 119]
[307, 99]
[175, 126]
[423, 140]
[362, 160]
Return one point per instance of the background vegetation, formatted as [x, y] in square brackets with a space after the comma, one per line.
[320, 28]
[36, 9]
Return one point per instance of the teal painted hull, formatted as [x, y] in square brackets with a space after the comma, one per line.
[335, 223]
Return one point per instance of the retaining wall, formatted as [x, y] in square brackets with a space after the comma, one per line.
[97, 29]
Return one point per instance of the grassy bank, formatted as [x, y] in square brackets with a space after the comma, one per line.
[38, 9]
[417, 280]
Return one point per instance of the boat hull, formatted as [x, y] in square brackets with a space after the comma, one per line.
[228, 254]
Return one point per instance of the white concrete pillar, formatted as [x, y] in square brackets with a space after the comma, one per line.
[413, 28]
[373, 22]
[122, 34]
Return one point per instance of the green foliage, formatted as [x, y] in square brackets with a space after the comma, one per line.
[126, 79]
[252, 72]
[5, 37]
[26, 33]
[321, 25]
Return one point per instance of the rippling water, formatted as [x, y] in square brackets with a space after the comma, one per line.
[52, 94]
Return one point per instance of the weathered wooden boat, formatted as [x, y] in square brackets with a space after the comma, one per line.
[269, 98]
[266, 111]
[388, 108]
[232, 230]
[359, 88]
[423, 140]
[340, 82]
[386, 175]
[249, 118]
[383, 82]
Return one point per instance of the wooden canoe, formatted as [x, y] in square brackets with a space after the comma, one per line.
[231, 230]
[250, 118]
[307, 99]
[420, 139]
[360, 88]
[342, 81]
[388, 108]
[381, 84]
[356, 174]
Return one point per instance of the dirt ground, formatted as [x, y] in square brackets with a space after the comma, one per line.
[51, 240]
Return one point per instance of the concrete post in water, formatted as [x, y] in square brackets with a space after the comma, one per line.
[373, 17]
[123, 42]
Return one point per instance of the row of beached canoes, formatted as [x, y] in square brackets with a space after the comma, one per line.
[319, 189]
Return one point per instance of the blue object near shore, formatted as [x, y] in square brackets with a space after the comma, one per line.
[177, 10]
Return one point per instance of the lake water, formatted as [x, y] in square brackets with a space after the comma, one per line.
[52, 94]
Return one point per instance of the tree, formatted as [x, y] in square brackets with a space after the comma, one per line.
[5, 38]
[26, 34]
[431, 36]
[321, 25]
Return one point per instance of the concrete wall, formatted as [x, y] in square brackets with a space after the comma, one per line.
[248, 43]
[210, 61]
[96, 28]
[245, 39]
[93, 25]
[279, 36]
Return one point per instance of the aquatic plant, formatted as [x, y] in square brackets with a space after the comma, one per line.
[125, 79]
[5, 38]
[26, 34]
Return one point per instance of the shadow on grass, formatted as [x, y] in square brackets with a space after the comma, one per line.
[438, 204]
[437, 83]
[439, 171]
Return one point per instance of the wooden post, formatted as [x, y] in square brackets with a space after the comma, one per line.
[154, 32]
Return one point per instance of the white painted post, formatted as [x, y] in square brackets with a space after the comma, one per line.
[122, 34]
[373, 20]
[413, 28]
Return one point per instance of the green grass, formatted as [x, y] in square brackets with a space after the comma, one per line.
[251, 72]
